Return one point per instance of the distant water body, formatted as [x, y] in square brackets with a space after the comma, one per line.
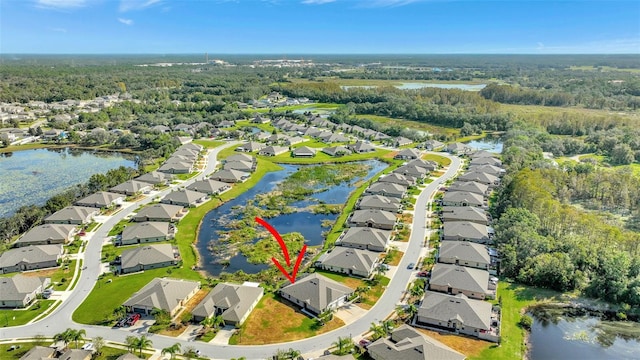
[415, 86]
[31, 177]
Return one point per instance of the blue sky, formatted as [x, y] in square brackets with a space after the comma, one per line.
[319, 26]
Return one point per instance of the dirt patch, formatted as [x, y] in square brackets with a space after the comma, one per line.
[396, 257]
[390, 155]
[274, 321]
[173, 332]
[195, 300]
[465, 345]
[43, 273]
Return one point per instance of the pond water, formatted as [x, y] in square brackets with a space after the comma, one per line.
[583, 337]
[31, 177]
[415, 86]
[304, 222]
[489, 143]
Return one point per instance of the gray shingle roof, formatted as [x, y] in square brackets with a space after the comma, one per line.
[380, 217]
[348, 258]
[30, 254]
[158, 211]
[162, 293]
[443, 307]
[379, 202]
[147, 255]
[232, 299]
[464, 213]
[480, 177]
[251, 146]
[208, 186]
[460, 277]
[333, 150]
[366, 236]
[46, 232]
[486, 161]
[71, 213]
[145, 230]
[229, 175]
[406, 343]
[408, 153]
[361, 146]
[466, 230]
[38, 353]
[396, 179]
[304, 150]
[184, 196]
[469, 186]
[246, 166]
[130, 187]
[99, 199]
[465, 251]
[274, 150]
[240, 157]
[316, 290]
[15, 288]
[463, 197]
[155, 177]
[386, 188]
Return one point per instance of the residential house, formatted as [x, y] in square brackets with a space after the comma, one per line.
[159, 212]
[226, 124]
[412, 171]
[361, 147]
[74, 215]
[294, 140]
[408, 343]
[273, 150]
[155, 178]
[459, 148]
[397, 179]
[353, 262]
[401, 141]
[455, 279]
[482, 178]
[365, 239]
[162, 293]
[458, 314]
[488, 169]
[145, 232]
[462, 198]
[208, 186]
[101, 200]
[231, 301]
[379, 202]
[481, 154]
[275, 139]
[485, 161]
[46, 234]
[176, 167]
[131, 187]
[425, 164]
[39, 353]
[186, 198]
[161, 129]
[183, 127]
[303, 152]
[19, 291]
[148, 257]
[30, 258]
[187, 152]
[408, 154]
[466, 231]
[432, 145]
[464, 213]
[250, 146]
[260, 120]
[261, 136]
[316, 293]
[386, 189]
[470, 186]
[334, 138]
[230, 176]
[240, 157]
[464, 253]
[244, 166]
[336, 151]
[378, 219]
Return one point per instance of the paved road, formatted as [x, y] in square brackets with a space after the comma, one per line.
[61, 318]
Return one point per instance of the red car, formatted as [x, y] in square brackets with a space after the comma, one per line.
[133, 318]
[423, 274]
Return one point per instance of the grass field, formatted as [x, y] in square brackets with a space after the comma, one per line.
[433, 129]
[23, 316]
[443, 161]
[273, 321]
[209, 144]
[323, 158]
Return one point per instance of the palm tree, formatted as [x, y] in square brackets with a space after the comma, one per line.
[387, 325]
[378, 331]
[77, 335]
[131, 342]
[217, 321]
[411, 310]
[98, 342]
[189, 352]
[293, 353]
[65, 336]
[344, 345]
[207, 323]
[143, 342]
[172, 350]
[417, 290]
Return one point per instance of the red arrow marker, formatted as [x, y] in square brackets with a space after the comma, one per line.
[285, 251]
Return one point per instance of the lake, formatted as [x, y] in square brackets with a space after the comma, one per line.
[489, 143]
[584, 338]
[31, 177]
[304, 222]
[416, 86]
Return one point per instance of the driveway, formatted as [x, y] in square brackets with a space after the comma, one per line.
[350, 313]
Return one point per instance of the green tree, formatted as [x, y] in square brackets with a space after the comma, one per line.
[344, 345]
[142, 343]
[172, 350]
[98, 343]
[66, 336]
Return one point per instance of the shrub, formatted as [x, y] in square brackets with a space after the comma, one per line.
[526, 322]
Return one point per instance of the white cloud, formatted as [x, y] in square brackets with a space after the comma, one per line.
[60, 4]
[317, 2]
[129, 5]
[126, 21]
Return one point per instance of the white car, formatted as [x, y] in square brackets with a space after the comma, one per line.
[87, 346]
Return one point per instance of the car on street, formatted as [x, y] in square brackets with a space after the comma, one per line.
[411, 266]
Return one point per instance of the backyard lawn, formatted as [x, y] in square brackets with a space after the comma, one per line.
[273, 321]
[443, 161]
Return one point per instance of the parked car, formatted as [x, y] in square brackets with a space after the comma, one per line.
[364, 343]
[132, 319]
[423, 274]
[88, 347]
[411, 266]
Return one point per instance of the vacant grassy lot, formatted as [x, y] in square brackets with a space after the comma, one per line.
[209, 144]
[443, 161]
[273, 321]
[23, 316]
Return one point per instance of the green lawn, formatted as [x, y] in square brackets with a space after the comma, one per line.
[108, 353]
[118, 228]
[208, 143]
[61, 273]
[98, 308]
[443, 161]
[23, 316]
[31, 146]
[515, 297]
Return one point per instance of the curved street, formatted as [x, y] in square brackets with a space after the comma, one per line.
[60, 318]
